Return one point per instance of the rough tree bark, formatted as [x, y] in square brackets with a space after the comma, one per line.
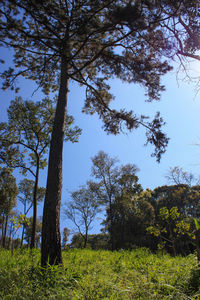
[51, 240]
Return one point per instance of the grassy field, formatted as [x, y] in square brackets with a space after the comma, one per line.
[96, 275]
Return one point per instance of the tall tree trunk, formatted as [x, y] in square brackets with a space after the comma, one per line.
[51, 239]
[5, 231]
[32, 245]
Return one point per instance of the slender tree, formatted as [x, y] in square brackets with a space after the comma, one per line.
[106, 171]
[8, 194]
[89, 42]
[26, 192]
[83, 209]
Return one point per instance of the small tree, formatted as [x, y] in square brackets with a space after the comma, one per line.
[105, 170]
[77, 241]
[26, 192]
[177, 176]
[8, 194]
[66, 233]
[83, 209]
[113, 181]
[16, 222]
[170, 228]
[132, 213]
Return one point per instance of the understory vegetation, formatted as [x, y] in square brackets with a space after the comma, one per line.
[89, 274]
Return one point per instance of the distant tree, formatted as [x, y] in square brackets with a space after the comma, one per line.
[26, 192]
[176, 175]
[105, 170]
[170, 227]
[66, 233]
[28, 231]
[8, 194]
[25, 196]
[28, 133]
[132, 213]
[182, 196]
[90, 42]
[98, 241]
[16, 222]
[83, 209]
[77, 241]
[10, 227]
[95, 241]
[186, 200]
[113, 181]
[9, 231]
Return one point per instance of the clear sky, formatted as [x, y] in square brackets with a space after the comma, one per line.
[179, 106]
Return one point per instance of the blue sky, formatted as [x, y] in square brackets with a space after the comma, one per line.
[179, 106]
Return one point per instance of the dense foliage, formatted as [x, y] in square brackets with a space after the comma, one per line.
[8, 195]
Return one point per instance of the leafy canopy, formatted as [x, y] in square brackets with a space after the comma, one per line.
[25, 138]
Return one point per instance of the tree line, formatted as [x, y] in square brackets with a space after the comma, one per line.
[161, 219]
[89, 42]
[164, 219]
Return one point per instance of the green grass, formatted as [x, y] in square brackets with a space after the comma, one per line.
[96, 275]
